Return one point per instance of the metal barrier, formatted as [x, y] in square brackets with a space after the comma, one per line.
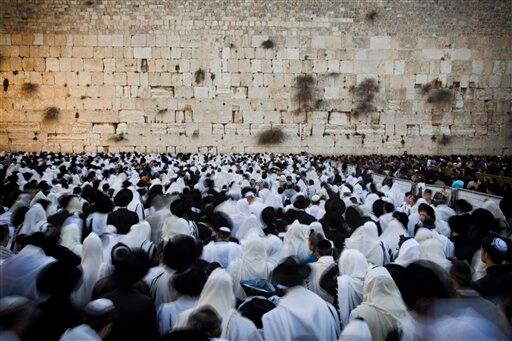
[476, 199]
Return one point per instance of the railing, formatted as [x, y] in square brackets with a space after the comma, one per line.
[476, 199]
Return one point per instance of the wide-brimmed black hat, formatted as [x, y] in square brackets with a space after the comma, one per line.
[258, 287]
[290, 273]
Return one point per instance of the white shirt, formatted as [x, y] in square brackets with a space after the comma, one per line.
[169, 313]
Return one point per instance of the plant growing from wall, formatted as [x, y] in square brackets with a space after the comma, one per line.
[271, 136]
[364, 95]
[436, 93]
[30, 88]
[51, 114]
[371, 16]
[268, 44]
[118, 138]
[199, 76]
[444, 140]
[306, 93]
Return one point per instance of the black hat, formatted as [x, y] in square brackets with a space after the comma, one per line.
[130, 265]
[462, 205]
[190, 282]
[290, 273]
[123, 197]
[180, 252]
[254, 308]
[300, 202]
[58, 278]
[258, 287]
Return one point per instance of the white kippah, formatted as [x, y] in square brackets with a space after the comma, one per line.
[249, 194]
[500, 245]
[99, 307]
[315, 198]
[225, 229]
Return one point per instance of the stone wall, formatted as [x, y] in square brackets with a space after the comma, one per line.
[125, 76]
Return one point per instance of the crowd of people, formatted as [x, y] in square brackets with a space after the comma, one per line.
[249, 247]
[487, 174]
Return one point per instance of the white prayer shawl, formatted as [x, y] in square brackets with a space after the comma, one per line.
[382, 308]
[448, 247]
[174, 226]
[243, 207]
[159, 285]
[356, 330]
[274, 200]
[230, 209]
[263, 193]
[137, 235]
[70, 238]
[431, 248]
[478, 266]
[275, 250]
[35, 220]
[236, 327]
[92, 258]
[301, 315]
[317, 270]
[256, 208]
[353, 267]
[443, 228]
[391, 235]
[296, 240]
[444, 212]
[358, 192]
[176, 187]
[317, 228]
[217, 293]
[97, 222]
[117, 184]
[252, 264]
[414, 219]
[365, 239]
[168, 313]
[156, 222]
[19, 273]
[37, 197]
[251, 224]
[83, 333]
[222, 252]
[409, 252]
[493, 207]
[384, 220]
[395, 195]
[316, 211]
[466, 324]
[136, 205]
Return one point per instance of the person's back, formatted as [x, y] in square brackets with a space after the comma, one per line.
[301, 314]
[136, 316]
[156, 221]
[58, 313]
